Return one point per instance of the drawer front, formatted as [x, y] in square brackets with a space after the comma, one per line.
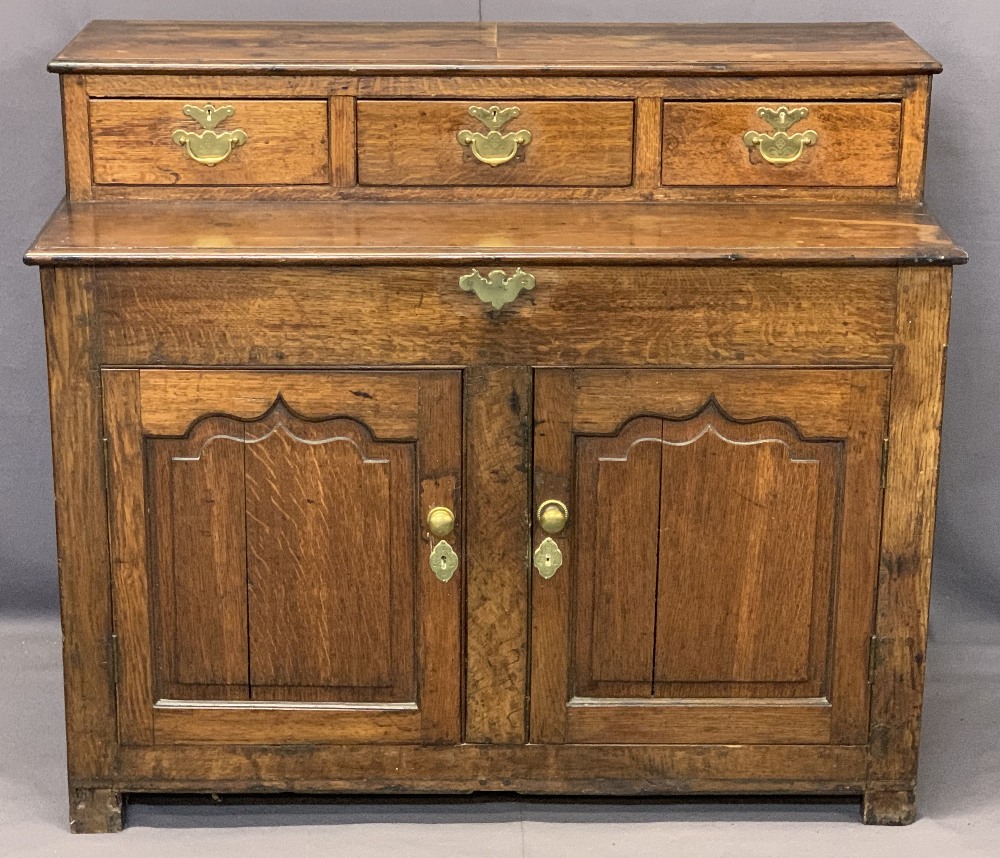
[180, 142]
[823, 144]
[434, 143]
[421, 315]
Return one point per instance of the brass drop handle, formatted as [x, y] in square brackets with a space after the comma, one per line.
[496, 288]
[552, 516]
[443, 559]
[209, 147]
[781, 148]
[494, 147]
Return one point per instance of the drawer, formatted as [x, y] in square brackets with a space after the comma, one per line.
[833, 144]
[602, 315]
[137, 141]
[568, 143]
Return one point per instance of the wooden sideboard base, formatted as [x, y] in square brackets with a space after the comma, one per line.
[95, 810]
[393, 456]
[889, 807]
[101, 810]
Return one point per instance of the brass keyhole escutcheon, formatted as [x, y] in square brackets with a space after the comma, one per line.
[548, 558]
[440, 521]
[443, 561]
[552, 516]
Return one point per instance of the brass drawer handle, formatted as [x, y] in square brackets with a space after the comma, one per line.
[494, 148]
[209, 147]
[781, 148]
[496, 288]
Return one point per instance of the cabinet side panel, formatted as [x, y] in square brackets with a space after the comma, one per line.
[76, 137]
[913, 150]
[81, 522]
[908, 525]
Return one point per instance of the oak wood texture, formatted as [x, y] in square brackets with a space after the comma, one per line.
[418, 315]
[858, 145]
[304, 545]
[531, 769]
[710, 542]
[415, 143]
[264, 374]
[287, 143]
[907, 542]
[95, 810]
[221, 47]
[206, 232]
[81, 526]
[498, 413]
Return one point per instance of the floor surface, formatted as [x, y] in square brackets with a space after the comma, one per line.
[959, 795]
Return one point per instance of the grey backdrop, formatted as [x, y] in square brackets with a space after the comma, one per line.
[962, 189]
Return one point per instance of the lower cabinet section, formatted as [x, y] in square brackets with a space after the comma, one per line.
[272, 569]
[704, 555]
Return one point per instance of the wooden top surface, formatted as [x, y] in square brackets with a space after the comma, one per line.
[314, 47]
[182, 232]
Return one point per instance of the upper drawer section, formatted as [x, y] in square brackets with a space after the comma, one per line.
[555, 143]
[603, 112]
[825, 144]
[153, 141]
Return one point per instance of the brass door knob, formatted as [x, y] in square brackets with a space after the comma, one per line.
[552, 516]
[440, 521]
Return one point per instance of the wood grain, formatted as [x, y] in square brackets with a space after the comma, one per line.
[343, 142]
[908, 537]
[129, 550]
[913, 144]
[331, 558]
[499, 85]
[220, 47]
[287, 143]
[415, 143]
[617, 482]
[196, 512]
[81, 515]
[530, 769]
[746, 559]
[498, 406]
[858, 145]
[322, 233]
[388, 403]
[663, 316]
[76, 137]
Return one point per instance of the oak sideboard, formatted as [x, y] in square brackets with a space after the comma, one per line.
[494, 407]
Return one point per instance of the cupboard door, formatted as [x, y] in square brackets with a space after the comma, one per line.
[270, 558]
[719, 559]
